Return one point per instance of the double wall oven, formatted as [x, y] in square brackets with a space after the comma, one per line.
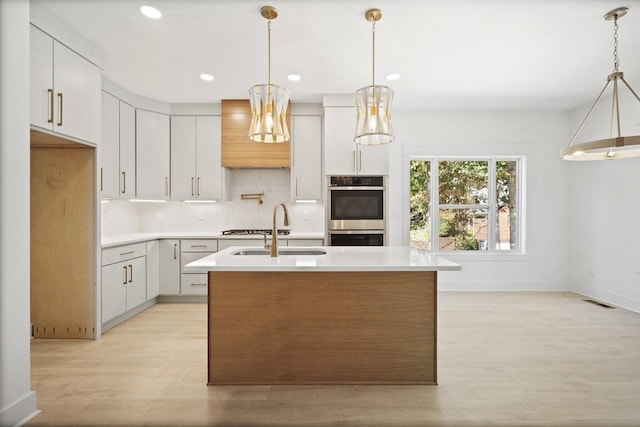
[356, 211]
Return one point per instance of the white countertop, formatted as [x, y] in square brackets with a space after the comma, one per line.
[128, 238]
[337, 258]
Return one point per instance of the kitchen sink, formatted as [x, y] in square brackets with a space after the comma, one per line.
[283, 251]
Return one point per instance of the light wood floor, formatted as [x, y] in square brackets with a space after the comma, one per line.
[504, 359]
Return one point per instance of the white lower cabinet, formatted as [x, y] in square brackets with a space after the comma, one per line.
[169, 267]
[124, 287]
[153, 269]
[194, 282]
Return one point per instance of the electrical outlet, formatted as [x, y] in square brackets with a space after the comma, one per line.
[158, 214]
[200, 215]
[305, 215]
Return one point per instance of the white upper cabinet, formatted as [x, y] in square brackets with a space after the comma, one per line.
[109, 147]
[127, 151]
[152, 155]
[342, 156]
[196, 169]
[306, 155]
[65, 89]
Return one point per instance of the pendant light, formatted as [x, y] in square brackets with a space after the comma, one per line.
[373, 103]
[269, 102]
[616, 146]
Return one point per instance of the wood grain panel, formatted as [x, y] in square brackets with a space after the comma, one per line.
[63, 242]
[322, 328]
[238, 151]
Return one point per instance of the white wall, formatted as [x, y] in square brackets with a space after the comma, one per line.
[605, 213]
[17, 401]
[539, 136]
[125, 217]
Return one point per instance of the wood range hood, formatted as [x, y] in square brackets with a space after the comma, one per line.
[238, 151]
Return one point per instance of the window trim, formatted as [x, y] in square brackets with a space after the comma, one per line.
[491, 206]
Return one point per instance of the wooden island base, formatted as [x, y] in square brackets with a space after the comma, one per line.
[322, 327]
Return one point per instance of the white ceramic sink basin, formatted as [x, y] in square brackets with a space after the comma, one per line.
[282, 251]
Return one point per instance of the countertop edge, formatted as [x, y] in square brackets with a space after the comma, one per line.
[130, 238]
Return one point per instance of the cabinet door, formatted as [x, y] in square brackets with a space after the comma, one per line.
[306, 152]
[153, 269]
[41, 73]
[152, 155]
[127, 179]
[136, 282]
[114, 290]
[209, 158]
[169, 267]
[340, 152]
[373, 159]
[183, 157]
[109, 147]
[77, 83]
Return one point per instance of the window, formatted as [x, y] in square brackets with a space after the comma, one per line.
[460, 204]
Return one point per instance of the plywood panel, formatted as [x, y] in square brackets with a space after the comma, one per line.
[63, 244]
[238, 151]
[322, 328]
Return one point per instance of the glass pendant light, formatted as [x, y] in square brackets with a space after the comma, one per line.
[616, 146]
[373, 103]
[269, 102]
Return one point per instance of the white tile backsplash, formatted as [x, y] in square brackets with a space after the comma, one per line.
[128, 217]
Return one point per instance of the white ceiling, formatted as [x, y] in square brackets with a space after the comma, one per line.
[451, 54]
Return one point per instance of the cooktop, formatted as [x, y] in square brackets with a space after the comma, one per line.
[250, 231]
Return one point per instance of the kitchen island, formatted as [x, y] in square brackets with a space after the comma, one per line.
[330, 315]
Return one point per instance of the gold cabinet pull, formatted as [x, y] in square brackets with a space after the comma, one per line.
[60, 105]
[127, 253]
[130, 273]
[124, 182]
[175, 251]
[296, 186]
[198, 284]
[50, 119]
[198, 187]
[198, 246]
[166, 186]
[192, 193]
[124, 282]
[101, 180]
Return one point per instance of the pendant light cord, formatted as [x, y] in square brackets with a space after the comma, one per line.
[373, 61]
[616, 61]
[269, 50]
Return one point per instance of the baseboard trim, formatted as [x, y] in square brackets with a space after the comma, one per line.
[611, 298]
[196, 299]
[20, 412]
[128, 315]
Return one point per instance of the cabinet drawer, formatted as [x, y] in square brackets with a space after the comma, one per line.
[199, 245]
[194, 284]
[123, 253]
[190, 257]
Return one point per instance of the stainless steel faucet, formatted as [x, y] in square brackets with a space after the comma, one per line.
[274, 232]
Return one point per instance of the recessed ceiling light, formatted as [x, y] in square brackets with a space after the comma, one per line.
[393, 76]
[206, 77]
[294, 77]
[150, 12]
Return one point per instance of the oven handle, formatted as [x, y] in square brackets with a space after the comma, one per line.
[355, 188]
[356, 231]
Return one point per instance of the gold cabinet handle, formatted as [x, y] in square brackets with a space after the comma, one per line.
[50, 119]
[175, 251]
[130, 273]
[166, 186]
[124, 182]
[296, 186]
[198, 187]
[192, 193]
[198, 284]
[198, 246]
[101, 180]
[126, 253]
[124, 282]
[60, 105]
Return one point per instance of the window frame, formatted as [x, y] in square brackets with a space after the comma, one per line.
[491, 206]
